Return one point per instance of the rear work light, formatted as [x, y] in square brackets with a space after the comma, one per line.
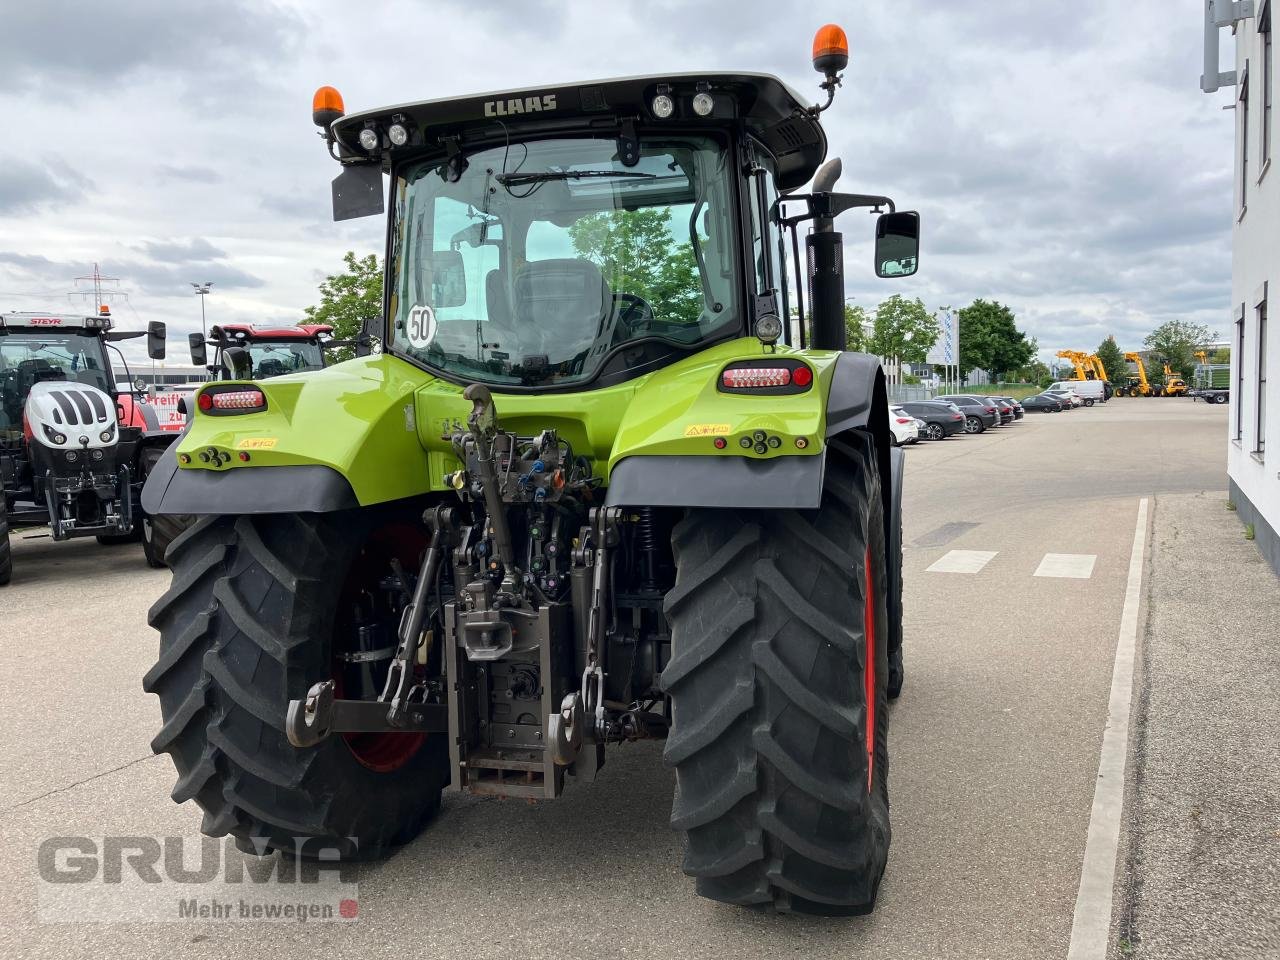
[778, 377]
[231, 401]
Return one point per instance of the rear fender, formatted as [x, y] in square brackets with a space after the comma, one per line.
[331, 439]
[678, 412]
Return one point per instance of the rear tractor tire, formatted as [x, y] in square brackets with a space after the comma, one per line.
[6, 551]
[158, 531]
[248, 624]
[778, 677]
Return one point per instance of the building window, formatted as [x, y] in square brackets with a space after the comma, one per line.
[1242, 108]
[1268, 79]
[1237, 355]
[1261, 443]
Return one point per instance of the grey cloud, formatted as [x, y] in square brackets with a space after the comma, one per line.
[27, 186]
[91, 42]
[182, 251]
[163, 279]
[188, 173]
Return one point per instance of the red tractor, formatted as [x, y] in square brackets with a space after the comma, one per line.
[74, 447]
[246, 352]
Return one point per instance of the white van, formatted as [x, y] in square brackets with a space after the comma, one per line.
[1090, 391]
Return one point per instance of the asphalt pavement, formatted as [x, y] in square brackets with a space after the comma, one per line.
[994, 744]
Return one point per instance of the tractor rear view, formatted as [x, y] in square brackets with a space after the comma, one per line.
[594, 489]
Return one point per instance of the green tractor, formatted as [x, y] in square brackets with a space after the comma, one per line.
[592, 488]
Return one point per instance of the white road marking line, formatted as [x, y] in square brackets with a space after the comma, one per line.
[1076, 566]
[961, 561]
[1091, 926]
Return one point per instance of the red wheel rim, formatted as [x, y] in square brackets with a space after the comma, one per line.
[869, 668]
[380, 752]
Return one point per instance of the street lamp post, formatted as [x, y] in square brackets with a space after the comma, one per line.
[202, 290]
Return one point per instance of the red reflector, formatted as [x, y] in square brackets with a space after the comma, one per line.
[756, 377]
[244, 457]
[720, 443]
[205, 401]
[236, 400]
[802, 376]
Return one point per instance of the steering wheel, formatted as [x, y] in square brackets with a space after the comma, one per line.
[635, 310]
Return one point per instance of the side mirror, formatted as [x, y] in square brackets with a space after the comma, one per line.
[238, 363]
[448, 278]
[199, 354]
[367, 335]
[155, 340]
[897, 244]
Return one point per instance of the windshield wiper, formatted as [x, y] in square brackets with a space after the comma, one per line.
[518, 179]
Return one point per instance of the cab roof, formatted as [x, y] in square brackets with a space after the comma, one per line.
[247, 331]
[769, 109]
[34, 319]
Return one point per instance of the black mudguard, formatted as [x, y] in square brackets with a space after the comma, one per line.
[295, 489]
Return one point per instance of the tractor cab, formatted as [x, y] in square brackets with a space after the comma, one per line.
[572, 237]
[246, 352]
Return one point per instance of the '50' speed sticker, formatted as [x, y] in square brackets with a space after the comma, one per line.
[420, 328]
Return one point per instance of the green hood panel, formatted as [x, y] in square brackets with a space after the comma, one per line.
[381, 422]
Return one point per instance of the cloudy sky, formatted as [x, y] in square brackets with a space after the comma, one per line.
[1061, 154]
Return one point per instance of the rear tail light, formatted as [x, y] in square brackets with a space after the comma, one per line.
[904, 419]
[231, 401]
[780, 377]
[991, 409]
[737, 378]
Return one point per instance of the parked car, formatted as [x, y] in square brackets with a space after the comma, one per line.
[1005, 408]
[979, 413]
[1018, 412]
[1069, 397]
[903, 427]
[941, 420]
[1042, 403]
[1089, 391]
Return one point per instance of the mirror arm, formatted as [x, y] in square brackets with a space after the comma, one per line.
[831, 205]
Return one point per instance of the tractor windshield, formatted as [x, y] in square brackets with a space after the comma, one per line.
[274, 358]
[536, 262]
[28, 358]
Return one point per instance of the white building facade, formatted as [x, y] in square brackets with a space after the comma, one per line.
[1253, 445]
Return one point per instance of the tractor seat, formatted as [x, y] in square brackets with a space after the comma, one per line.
[565, 302]
[31, 372]
[271, 368]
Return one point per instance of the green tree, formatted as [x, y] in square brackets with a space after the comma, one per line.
[990, 339]
[1176, 342]
[1113, 361]
[636, 252]
[348, 298]
[855, 327]
[1221, 355]
[904, 329]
